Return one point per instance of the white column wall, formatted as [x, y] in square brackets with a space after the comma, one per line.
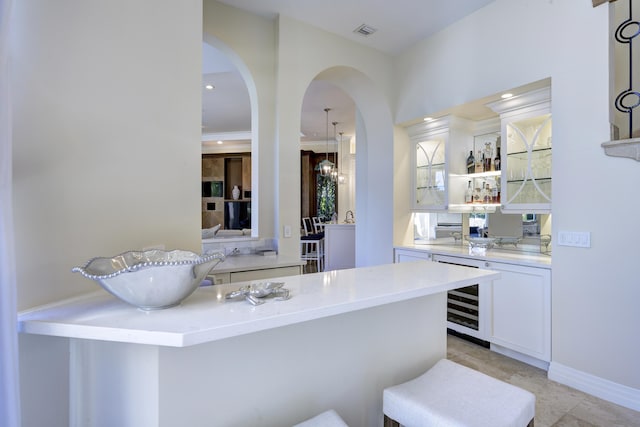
[513, 42]
[251, 43]
[305, 53]
[106, 101]
[302, 53]
[106, 105]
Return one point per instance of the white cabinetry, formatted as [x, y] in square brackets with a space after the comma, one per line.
[438, 149]
[408, 255]
[339, 246]
[513, 313]
[521, 320]
[526, 152]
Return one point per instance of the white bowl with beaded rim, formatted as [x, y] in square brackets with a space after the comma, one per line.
[153, 279]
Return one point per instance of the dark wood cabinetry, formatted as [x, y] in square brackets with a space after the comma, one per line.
[220, 173]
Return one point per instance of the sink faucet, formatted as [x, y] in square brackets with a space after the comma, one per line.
[349, 218]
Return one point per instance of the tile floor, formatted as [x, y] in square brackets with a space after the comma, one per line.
[556, 405]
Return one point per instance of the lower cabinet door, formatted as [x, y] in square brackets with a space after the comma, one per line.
[521, 301]
[406, 255]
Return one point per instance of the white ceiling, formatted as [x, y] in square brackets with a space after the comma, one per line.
[399, 23]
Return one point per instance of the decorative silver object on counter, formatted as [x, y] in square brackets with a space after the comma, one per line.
[256, 293]
[480, 242]
[151, 280]
[506, 240]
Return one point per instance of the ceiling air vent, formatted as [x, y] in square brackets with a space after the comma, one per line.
[365, 30]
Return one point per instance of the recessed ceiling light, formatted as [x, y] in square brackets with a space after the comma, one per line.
[506, 95]
[219, 142]
[428, 119]
[210, 87]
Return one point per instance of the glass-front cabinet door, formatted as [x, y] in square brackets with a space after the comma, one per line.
[429, 159]
[526, 160]
[431, 175]
[528, 163]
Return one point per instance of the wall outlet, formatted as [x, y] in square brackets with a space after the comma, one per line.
[578, 239]
[287, 231]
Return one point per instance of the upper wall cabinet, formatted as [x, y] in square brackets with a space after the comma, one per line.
[526, 160]
[434, 143]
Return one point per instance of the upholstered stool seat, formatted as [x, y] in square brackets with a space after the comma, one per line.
[328, 418]
[450, 394]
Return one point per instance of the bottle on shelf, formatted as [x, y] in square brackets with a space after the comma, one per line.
[479, 162]
[496, 161]
[487, 194]
[488, 154]
[477, 195]
[468, 195]
[494, 194]
[471, 163]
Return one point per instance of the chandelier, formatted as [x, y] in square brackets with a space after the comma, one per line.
[326, 166]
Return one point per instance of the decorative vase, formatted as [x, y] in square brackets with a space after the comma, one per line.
[235, 193]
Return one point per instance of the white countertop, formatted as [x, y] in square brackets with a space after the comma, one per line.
[497, 255]
[205, 316]
[255, 262]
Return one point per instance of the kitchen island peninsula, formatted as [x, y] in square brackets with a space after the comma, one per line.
[337, 343]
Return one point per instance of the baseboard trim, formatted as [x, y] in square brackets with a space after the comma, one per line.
[608, 390]
[530, 360]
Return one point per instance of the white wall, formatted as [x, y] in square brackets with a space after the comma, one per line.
[305, 53]
[106, 121]
[513, 42]
[261, 44]
[106, 100]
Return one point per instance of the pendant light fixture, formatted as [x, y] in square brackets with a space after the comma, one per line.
[325, 166]
[342, 178]
[334, 172]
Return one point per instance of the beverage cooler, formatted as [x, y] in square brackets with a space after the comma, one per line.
[468, 308]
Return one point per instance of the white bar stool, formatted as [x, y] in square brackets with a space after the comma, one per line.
[450, 394]
[328, 418]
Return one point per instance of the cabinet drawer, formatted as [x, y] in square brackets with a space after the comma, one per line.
[268, 273]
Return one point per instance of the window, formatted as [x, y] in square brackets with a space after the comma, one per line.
[326, 197]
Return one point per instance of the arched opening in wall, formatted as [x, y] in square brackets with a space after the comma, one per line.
[327, 135]
[229, 168]
[371, 165]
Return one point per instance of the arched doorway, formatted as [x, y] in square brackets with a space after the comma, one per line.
[327, 135]
[228, 143]
[373, 164]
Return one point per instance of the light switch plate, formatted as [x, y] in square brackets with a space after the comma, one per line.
[578, 239]
[287, 231]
